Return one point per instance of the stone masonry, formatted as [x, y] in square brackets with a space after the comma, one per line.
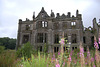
[45, 29]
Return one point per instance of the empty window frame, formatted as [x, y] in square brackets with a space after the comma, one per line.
[74, 38]
[28, 27]
[25, 38]
[66, 37]
[56, 49]
[44, 24]
[42, 38]
[56, 38]
[84, 39]
[56, 25]
[65, 48]
[73, 23]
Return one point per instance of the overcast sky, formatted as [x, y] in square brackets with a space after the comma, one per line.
[13, 10]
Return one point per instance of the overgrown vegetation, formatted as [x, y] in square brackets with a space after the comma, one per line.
[1, 49]
[8, 43]
[25, 51]
[8, 59]
[25, 57]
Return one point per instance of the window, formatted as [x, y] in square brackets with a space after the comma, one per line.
[66, 38]
[40, 48]
[64, 25]
[73, 23]
[92, 40]
[84, 39]
[65, 48]
[56, 25]
[28, 27]
[56, 49]
[42, 38]
[72, 48]
[25, 38]
[74, 38]
[56, 38]
[39, 24]
[44, 24]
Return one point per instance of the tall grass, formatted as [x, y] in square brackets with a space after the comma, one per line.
[8, 58]
[76, 58]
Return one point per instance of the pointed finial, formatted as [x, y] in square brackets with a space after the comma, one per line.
[77, 12]
[33, 15]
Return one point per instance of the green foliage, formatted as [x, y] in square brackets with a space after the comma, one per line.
[45, 48]
[1, 49]
[26, 50]
[8, 43]
[35, 61]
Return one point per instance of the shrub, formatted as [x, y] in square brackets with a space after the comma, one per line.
[1, 49]
[45, 48]
[26, 50]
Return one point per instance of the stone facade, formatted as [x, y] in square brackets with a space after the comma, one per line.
[45, 29]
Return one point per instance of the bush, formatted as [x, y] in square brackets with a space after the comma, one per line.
[1, 49]
[26, 50]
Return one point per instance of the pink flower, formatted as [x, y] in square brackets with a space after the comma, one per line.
[57, 65]
[96, 45]
[92, 59]
[59, 53]
[99, 41]
[62, 41]
[63, 64]
[81, 51]
[69, 58]
[94, 66]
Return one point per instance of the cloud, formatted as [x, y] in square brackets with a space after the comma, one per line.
[12, 10]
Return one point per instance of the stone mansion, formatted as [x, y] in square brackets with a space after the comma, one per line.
[48, 29]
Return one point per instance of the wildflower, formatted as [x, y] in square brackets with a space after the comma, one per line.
[71, 53]
[86, 63]
[96, 45]
[88, 53]
[63, 64]
[59, 53]
[92, 59]
[81, 51]
[99, 41]
[94, 66]
[28, 58]
[69, 58]
[62, 41]
[57, 65]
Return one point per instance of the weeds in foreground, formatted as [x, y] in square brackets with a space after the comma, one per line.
[79, 59]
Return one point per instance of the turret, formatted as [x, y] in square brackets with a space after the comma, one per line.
[77, 12]
[52, 14]
[68, 14]
[33, 15]
[58, 16]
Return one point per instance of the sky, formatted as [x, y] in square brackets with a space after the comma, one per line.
[13, 10]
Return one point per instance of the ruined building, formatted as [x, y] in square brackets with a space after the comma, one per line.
[48, 29]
